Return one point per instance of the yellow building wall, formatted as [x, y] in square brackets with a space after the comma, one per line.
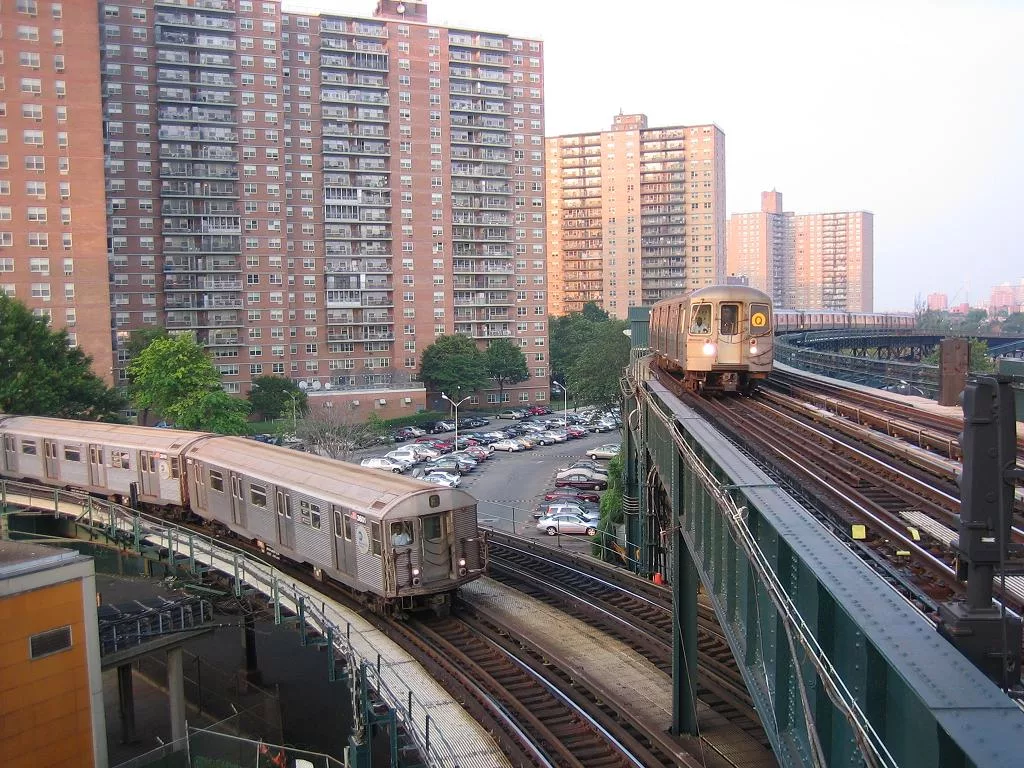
[45, 718]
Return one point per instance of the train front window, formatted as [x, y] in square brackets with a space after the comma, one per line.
[700, 319]
[730, 319]
[432, 528]
[760, 320]
[401, 533]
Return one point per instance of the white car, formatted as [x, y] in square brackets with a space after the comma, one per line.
[425, 452]
[408, 458]
[443, 478]
[383, 462]
[507, 445]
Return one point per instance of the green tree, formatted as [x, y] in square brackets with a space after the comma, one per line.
[274, 396]
[594, 378]
[979, 359]
[174, 377]
[141, 338]
[453, 364]
[567, 335]
[43, 376]
[973, 321]
[611, 510]
[1013, 324]
[594, 313]
[506, 364]
[210, 410]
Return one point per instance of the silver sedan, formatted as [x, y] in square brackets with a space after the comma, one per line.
[567, 523]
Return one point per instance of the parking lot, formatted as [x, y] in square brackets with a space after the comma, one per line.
[509, 486]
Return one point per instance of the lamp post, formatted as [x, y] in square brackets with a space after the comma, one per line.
[565, 410]
[456, 406]
[293, 396]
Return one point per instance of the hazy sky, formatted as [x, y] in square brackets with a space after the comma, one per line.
[911, 110]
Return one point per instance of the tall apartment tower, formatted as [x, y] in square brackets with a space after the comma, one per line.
[53, 255]
[805, 261]
[635, 214]
[321, 196]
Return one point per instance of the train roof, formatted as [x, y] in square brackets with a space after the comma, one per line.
[721, 292]
[373, 492]
[122, 435]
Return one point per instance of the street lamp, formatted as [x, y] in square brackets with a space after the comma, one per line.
[293, 396]
[456, 406]
[565, 411]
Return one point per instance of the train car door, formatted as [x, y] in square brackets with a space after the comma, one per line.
[149, 482]
[237, 500]
[199, 485]
[51, 467]
[436, 562]
[729, 333]
[285, 524]
[10, 453]
[672, 337]
[342, 534]
[97, 469]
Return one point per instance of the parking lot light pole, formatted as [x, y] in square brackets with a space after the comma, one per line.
[456, 406]
[565, 411]
[293, 396]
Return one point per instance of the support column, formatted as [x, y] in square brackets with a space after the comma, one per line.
[176, 692]
[126, 703]
[685, 588]
[251, 673]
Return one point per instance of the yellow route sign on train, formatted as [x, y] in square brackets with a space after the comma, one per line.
[759, 319]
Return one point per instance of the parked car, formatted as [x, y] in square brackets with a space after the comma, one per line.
[575, 432]
[571, 494]
[425, 452]
[474, 422]
[408, 433]
[512, 413]
[606, 451]
[407, 457]
[383, 462]
[446, 464]
[507, 445]
[581, 479]
[443, 478]
[539, 410]
[588, 465]
[441, 427]
[566, 524]
[581, 508]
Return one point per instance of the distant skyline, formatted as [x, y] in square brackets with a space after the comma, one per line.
[911, 110]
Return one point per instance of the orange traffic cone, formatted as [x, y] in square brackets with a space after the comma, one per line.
[658, 580]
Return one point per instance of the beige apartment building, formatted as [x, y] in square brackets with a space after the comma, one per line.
[805, 261]
[320, 196]
[53, 254]
[635, 214]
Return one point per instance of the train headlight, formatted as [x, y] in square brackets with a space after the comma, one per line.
[709, 349]
[753, 347]
[415, 571]
[462, 566]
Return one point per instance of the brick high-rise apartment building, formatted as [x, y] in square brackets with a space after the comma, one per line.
[52, 224]
[635, 214]
[805, 261]
[321, 196]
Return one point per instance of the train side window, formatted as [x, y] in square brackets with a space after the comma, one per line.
[339, 525]
[72, 453]
[700, 319]
[730, 319]
[216, 481]
[257, 496]
[309, 514]
[28, 447]
[375, 546]
[9, 443]
[119, 459]
[175, 467]
[760, 320]
[401, 533]
[348, 528]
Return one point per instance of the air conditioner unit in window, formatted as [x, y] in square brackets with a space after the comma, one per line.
[355, 403]
[382, 401]
[408, 400]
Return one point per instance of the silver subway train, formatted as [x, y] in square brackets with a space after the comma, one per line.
[715, 339]
[401, 544]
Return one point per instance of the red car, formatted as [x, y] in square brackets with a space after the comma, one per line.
[575, 432]
[539, 410]
[571, 494]
[581, 479]
[444, 446]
